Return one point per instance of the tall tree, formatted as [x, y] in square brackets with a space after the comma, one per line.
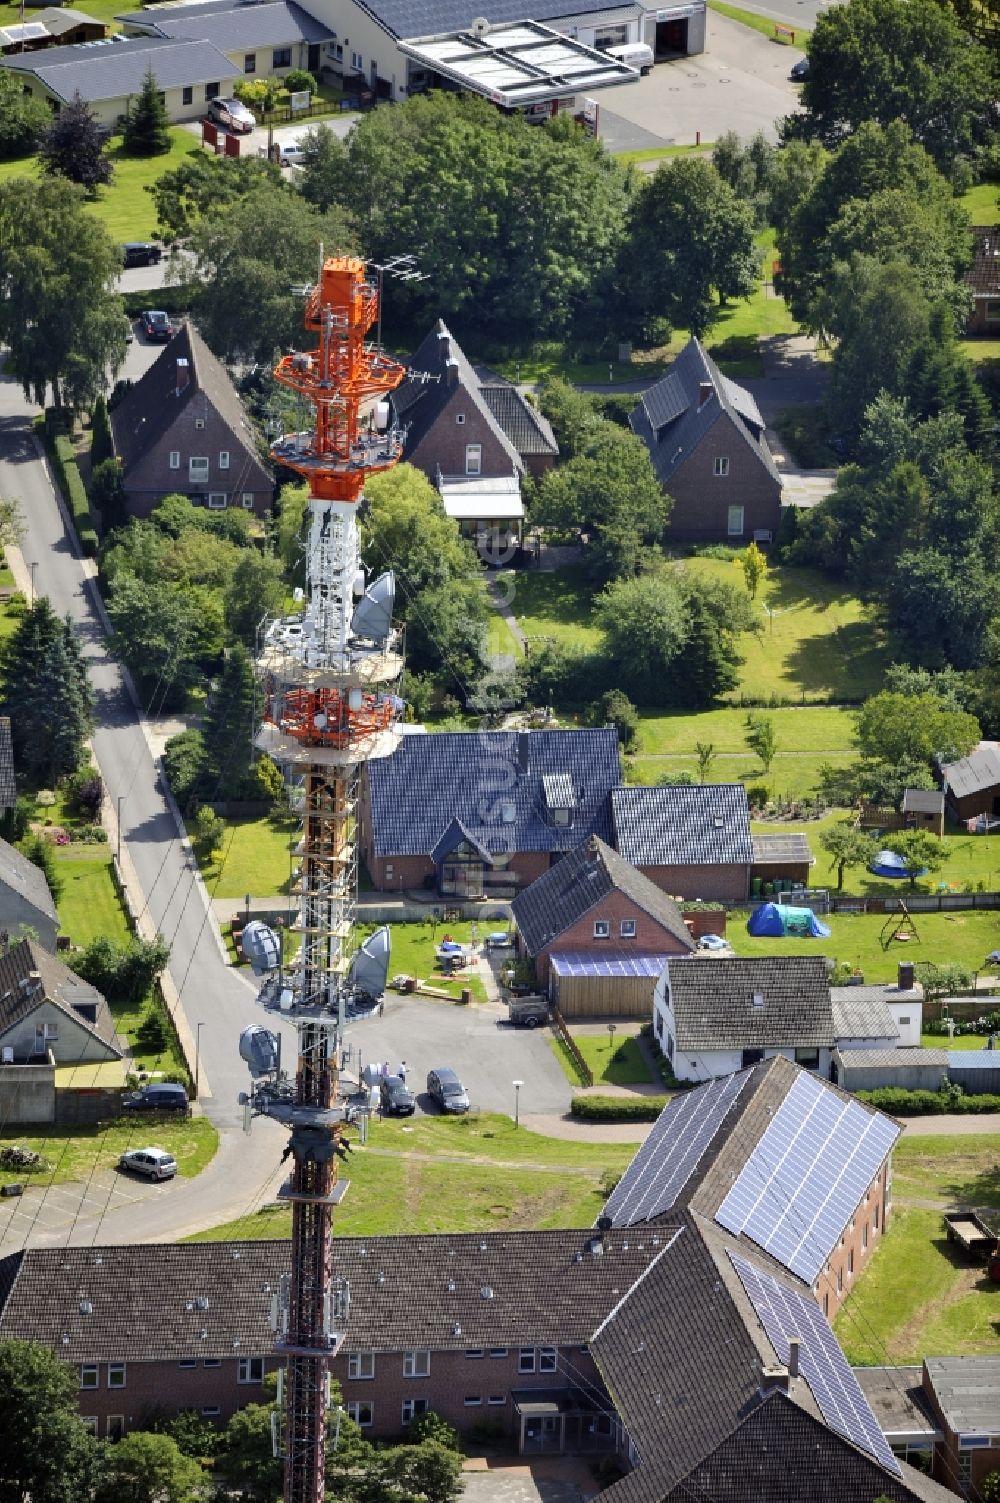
[255, 590]
[204, 185]
[324, 166]
[761, 737]
[916, 728]
[148, 1468]
[101, 445]
[23, 117]
[46, 1454]
[231, 722]
[158, 634]
[147, 124]
[47, 694]
[75, 147]
[60, 314]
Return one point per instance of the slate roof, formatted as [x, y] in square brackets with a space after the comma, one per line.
[478, 777]
[861, 1017]
[973, 774]
[453, 836]
[983, 276]
[149, 408]
[421, 402]
[713, 1003]
[115, 69]
[427, 18]
[781, 850]
[680, 825]
[672, 419]
[26, 879]
[8, 787]
[967, 1390]
[56, 984]
[579, 882]
[923, 801]
[524, 425]
[233, 26]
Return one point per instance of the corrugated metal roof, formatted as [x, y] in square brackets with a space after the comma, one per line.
[862, 1018]
[923, 801]
[679, 825]
[116, 68]
[900, 1059]
[974, 1059]
[973, 774]
[968, 1390]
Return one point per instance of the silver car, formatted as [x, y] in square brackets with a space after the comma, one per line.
[445, 1088]
[154, 1163]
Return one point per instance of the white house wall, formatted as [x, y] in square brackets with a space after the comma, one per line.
[909, 1019]
[868, 1043]
[110, 111]
[74, 1044]
[358, 34]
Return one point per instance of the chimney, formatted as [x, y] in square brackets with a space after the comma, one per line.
[904, 975]
[183, 375]
[705, 392]
[772, 1378]
[451, 371]
[444, 344]
[592, 848]
[793, 1356]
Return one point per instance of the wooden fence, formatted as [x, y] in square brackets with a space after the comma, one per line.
[559, 1023]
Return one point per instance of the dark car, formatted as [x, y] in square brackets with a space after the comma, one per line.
[800, 70]
[156, 325]
[141, 253]
[394, 1099]
[445, 1088]
[163, 1096]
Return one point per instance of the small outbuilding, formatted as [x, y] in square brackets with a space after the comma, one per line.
[783, 860]
[906, 1069]
[923, 809]
[972, 784]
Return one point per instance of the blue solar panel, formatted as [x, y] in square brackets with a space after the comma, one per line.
[804, 1179]
[575, 963]
[666, 1161]
[785, 1313]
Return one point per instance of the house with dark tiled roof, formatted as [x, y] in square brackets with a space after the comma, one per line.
[528, 429]
[25, 900]
[182, 428]
[45, 1008]
[587, 922]
[705, 437]
[983, 280]
[723, 1013]
[693, 841]
[482, 813]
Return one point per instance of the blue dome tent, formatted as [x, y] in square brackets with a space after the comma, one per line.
[888, 864]
[776, 919]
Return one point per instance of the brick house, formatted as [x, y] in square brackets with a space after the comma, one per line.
[972, 784]
[478, 813]
[692, 841]
[983, 280]
[182, 428]
[705, 436]
[587, 915]
[963, 1394]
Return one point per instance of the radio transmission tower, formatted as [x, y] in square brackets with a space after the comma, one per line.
[328, 677]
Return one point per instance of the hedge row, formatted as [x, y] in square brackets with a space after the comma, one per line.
[618, 1108]
[173, 300]
[900, 1103]
[61, 454]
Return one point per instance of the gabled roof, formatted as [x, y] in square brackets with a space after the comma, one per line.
[683, 825]
[581, 880]
[923, 801]
[492, 782]
[150, 407]
[116, 68]
[30, 976]
[421, 402]
[983, 276]
[528, 430]
[453, 836]
[861, 1017]
[973, 774]
[763, 1001]
[679, 410]
[230, 26]
[26, 879]
[57, 20]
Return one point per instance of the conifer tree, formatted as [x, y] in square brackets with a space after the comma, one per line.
[147, 126]
[230, 722]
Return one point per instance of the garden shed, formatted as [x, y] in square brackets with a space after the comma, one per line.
[605, 986]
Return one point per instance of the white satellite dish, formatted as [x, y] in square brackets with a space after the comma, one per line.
[480, 27]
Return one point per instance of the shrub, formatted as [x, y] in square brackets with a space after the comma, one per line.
[67, 472]
[15, 821]
[85, 791]
[40, 853]
[193, 1435]
[23, 1160]
[151, 1035]
[430, 1426]
[298, 80]
[900, 1103]
[184, 762]
[124, 973]
[617, 1108]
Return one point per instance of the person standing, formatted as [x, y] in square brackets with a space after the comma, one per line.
[402, 1070]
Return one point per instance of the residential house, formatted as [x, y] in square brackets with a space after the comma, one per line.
[721, 1014]
[687, 1334]
[182, 428]
[263, 40]
[598, 932]
[963, 1394]
[983, 281]
[25, 899]
[972, 784]
[527, 429]
[923, 809]
[693, 841]
[8, 784]
[476, 814]
[885, 1015]
[51, 27]
[705, 437]
[109, 75]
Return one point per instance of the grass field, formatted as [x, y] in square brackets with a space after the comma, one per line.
[760, 23]
[89, 906]
[413, 947]
[255, 858]
[556, 606]
[75, 1153]
[617, 1061]
[919, 1296]
[982, 203]
[960, 938]
[432, 1174]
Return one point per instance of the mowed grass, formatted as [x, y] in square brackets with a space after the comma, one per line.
[942, 938]
[255, 857]
[760, 23]
[613, 1061]
[75, 1153]
[982, 203]
[920, 1296]
[555, 606]
[88, 906]
[413, 954]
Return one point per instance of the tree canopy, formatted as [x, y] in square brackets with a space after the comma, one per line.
[23, 117]
[915, 728]
[74, 146]
[147, 124]
[47, 694]
[46, 1455]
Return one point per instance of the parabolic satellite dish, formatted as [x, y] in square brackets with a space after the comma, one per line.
[373, 616]
[260, 1048]
[370, 965]
[261, 947]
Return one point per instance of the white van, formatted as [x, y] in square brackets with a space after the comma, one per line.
[635, 55]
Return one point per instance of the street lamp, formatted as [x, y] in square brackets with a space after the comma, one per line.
[197, 1057]
[33, 566]
[121, 796]
[517, 1101]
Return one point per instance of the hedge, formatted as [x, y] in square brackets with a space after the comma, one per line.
[618, 1108]
[900, 1103]
[62, 456]
[173, 300]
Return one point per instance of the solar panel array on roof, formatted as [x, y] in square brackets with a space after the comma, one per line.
[799, 1187]
[666, 1161]
[785, 1313]
[580, 963]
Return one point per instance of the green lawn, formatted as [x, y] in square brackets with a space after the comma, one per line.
[961, 938]
[413, 947]
[89, 906]
[982, 203]
[255, 858]
[432, 1174]
[760, 23]
[553, 605]
[74, 1153]
[960, 1041]
[981, 349]
[617, 1061]
[920, 1296]
[656, 153]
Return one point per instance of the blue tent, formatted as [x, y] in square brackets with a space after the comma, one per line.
[776, 919]
[888, 864]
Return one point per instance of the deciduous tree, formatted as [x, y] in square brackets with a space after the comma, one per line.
[761, 737]
[918, 849]
[46, 1454]
[23, 117]
[848, 845]
[147, 1468]
[899, 728]
[255, 590]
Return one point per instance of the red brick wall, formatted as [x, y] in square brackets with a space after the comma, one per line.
[395, 873]
[650, 937]
[151, 1386]
[702, 499]
[729, 882]
[443, 445]
[837, 1279]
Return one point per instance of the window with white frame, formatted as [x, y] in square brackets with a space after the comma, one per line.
[497, 1398]
[210, 1411]
[362, 1412]
[670, 1046]
[473, 459]
[627, 929]
[602, 928]
[416, 1364]
[361, 1365]
[413, 1407]
[720, 467]
[188, 1362]
[473, 1400]
[548, 1359]
[251, 1370]
[212, 1362]
[248, 500]
[281, 57]
[473, 1353]
[114, 1429]
[223, 459]
[116, 1375]
[175, 459]
[90, 1376]
[526, 1359]
[250, 62]
[460, 418]
[217, 500]
[89, 1422]
[198, 469]
[498, 1351]
[735, 522]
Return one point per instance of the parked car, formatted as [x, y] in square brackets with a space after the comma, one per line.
[155, 1163]
[713, 942]
[141, 253]
[292, 154]
[233, 114]
[445, 1088]
[394, 1099]
[993, 958]
[156, 325]
[800, 70]
[163, 1096]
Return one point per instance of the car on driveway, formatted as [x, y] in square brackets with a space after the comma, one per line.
[156, 325]
[394, 1099]
[713, 942]
[799, 71]
[233, 114]
[292, 154]
[447, 1091]
[154, 1163]
[141, 253]
[162, 1096]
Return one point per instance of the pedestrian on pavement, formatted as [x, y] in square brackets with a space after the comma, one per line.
[385, 1068]
[402, 1070]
